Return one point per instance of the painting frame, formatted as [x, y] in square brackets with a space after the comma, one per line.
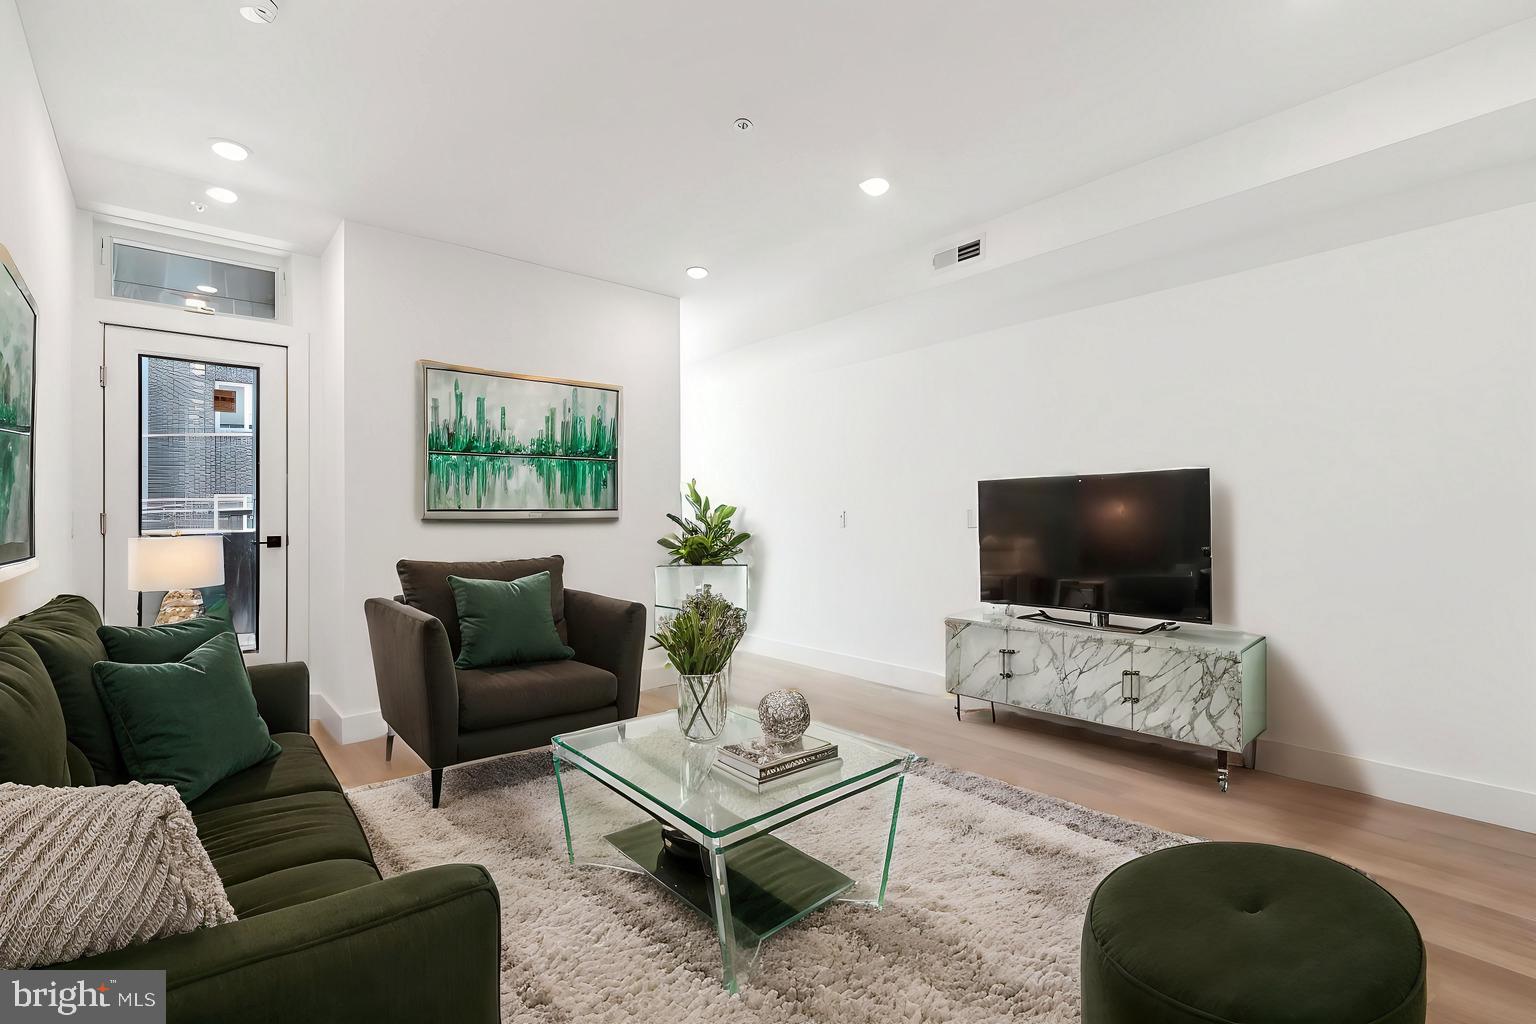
[16, 563]
[430, 511]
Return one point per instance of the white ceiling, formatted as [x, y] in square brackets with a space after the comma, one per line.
[597, 136]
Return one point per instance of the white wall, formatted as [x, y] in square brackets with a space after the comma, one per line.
[1367, 415]
[327, 453]
[37, 226]
[408, 298]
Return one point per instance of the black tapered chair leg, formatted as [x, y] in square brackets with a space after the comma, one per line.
[389, 745]
[437, 786]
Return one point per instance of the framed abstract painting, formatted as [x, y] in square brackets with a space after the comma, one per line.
[18, 355]
[511, 446]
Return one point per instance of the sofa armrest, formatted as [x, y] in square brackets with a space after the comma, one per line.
[282, 695]
[418, 689]
[425, 945]
[610, 634]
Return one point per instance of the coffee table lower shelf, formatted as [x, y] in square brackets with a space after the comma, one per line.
[772, 884]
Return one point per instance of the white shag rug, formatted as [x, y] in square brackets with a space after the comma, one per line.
[982, 919]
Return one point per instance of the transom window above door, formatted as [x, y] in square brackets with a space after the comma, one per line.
[196, 283]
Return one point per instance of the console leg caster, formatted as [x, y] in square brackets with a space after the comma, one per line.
[1221, 770]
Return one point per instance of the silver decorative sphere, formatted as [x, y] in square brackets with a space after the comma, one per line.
[784, 715]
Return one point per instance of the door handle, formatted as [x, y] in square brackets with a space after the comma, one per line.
[1125, 686]
[273, 541]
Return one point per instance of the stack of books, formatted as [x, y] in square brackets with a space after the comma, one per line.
[760, 761]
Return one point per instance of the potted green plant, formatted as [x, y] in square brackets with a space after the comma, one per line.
[706, 550]
[706, 539]
[699, 641]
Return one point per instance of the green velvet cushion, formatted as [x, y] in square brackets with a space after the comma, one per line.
[299, 884]
[63, 633]
[506, 622]
[1242, 932]
[189, 723]
[300, 768]
[33, 750]
[80, 771]
[152, 645]
[246, 841]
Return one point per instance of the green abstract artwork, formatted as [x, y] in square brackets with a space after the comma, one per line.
[510, 446]
[18, 347]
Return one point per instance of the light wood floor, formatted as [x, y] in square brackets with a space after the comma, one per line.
[1470, 886]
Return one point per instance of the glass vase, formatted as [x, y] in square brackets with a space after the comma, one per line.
[701, 704]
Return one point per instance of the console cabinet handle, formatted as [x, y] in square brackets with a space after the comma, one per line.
[1125, 686]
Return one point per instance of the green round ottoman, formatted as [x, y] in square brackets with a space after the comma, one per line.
[1243, 933]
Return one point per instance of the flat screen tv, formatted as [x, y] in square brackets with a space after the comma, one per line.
[1134, 544]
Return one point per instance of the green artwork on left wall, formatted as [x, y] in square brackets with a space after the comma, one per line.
[18, 353]
[510, 446]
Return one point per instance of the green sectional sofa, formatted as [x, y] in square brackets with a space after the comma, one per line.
[320, 936]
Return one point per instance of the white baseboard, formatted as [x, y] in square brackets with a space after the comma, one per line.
[348, 728]
[1465, 798]
[900, 676]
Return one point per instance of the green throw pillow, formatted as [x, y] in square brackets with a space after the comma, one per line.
[63, 633]
[506, 623]
[189, 723]
[153, 645]
[34, 751]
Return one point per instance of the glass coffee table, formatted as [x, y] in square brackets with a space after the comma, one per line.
[751, 860]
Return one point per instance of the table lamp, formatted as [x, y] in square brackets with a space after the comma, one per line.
[179, 565]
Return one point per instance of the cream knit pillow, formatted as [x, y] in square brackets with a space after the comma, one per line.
[92, 869]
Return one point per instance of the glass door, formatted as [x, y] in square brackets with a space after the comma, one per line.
[195, 444]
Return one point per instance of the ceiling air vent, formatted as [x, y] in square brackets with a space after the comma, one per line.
[959, 254]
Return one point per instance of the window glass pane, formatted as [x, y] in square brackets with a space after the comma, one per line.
[197, 474]
[176, 280]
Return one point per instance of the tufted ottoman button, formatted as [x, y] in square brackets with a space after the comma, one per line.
[1243, 933]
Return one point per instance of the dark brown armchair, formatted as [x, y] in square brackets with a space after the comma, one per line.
[451, 715]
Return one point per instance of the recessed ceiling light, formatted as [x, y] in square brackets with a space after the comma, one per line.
[199, 205]
[230, 150]
[207, 289]
[220, 194]
[697, 273]
[875, 186]
[264, 13]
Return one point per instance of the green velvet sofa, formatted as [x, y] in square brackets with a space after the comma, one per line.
[321, 937]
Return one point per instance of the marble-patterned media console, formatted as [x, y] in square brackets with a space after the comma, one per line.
[1198, 684]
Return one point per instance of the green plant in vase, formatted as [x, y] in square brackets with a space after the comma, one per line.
[699, 641]
[706, 539]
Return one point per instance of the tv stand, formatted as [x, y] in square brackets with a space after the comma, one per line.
[1100, 621]
[1203, 685]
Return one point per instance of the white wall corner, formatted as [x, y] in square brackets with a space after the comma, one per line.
[351, 727]
[654, 672]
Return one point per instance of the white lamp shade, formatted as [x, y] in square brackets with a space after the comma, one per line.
[175, 563]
